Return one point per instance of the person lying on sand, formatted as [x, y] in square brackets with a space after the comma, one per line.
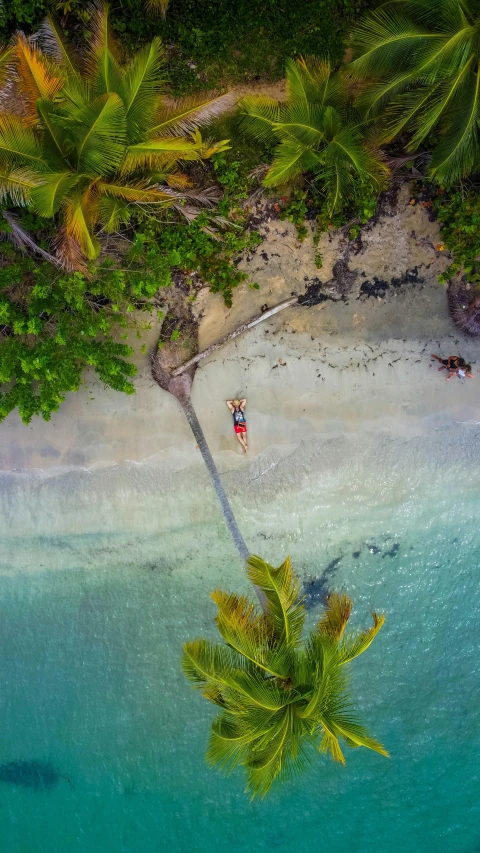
[239, 423]
[455, 365]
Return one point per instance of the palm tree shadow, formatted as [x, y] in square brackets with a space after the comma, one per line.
[316, 590]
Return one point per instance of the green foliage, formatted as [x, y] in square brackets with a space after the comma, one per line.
[54, 325]
[195, 248]
[240, 40]
[317, 133]
[95, 142]
[295, 209]
[226, 40]
[421, 63]
[358, 209]
[281, 695]
[458, 211]
[20, 14]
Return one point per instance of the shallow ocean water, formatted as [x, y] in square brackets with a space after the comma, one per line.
[91, 630]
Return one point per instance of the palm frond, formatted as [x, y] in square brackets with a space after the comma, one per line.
[442, 98]
[186, 115]
[57, 144]
[308, 80]
[50, 38]
[266, 761]
[20, 238]
[355, 644]
[7, 58]
[100, 135]
[389, 40]
[204, 662]
[290, 161]
[143, 83]
[50, 191]
[177, 180]
[157, 153]
[338, 610]
[135, 192]
[347, 727]
[68, 252]
[102, 56]
[114, 212]
[282, 592]
[458, 152]
[19, 144]
[260, 117]
[264, 693]
[331, 745]
[16, 185]
[244, 628]
[39, 77]
[80, 214]
[228, 743]
[420, 62]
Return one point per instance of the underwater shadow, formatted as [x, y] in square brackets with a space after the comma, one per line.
[35, 775]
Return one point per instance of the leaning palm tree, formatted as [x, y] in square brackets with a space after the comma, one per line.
[165, 359]
[90, 140]
[420, 62]
[281, 695]
[317, 131]
[279, 698]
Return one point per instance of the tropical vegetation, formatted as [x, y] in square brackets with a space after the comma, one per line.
[420, 63]
[90, 146]
[281, 695]
[232, 41]
[91, 141]
[317, 131]
[56, 325]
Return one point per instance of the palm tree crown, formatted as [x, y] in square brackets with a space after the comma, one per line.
[279, 696]
[421, 62]
[317, 132]
[91, 139]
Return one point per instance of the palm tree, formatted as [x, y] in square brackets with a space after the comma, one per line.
[90, 141]
[317, 131]
[420, 61]
[163, 363]
[281, 696]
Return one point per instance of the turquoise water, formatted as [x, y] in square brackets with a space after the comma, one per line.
[91, 631]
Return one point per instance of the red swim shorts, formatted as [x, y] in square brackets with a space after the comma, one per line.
[240, 427]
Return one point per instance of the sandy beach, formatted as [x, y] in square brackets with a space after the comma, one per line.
[359, 364]
[337, 384]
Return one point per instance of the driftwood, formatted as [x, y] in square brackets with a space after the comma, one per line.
[243, 328]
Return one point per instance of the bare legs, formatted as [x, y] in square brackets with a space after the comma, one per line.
[242, 437]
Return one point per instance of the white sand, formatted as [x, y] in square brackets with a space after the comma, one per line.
[360, 366]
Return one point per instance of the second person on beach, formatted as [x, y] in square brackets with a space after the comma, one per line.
[455, 365]
[239, 423]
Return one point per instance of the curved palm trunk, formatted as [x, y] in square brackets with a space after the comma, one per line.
[228, 515]
[180, 387]
[238, 331]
